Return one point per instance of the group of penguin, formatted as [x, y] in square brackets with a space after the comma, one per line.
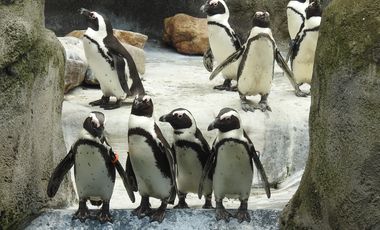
[154, 168]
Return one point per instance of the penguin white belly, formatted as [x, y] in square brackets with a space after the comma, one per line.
[222, 47]
[189, 170]
[233, 173]
[257, 72]
[91, 175]
[107, 77]
[294, 19]
[150, 180]
[303, 63]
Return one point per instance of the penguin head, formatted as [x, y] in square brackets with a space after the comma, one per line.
[179, 119]
[261, 19]
[96, 21]
[314, 9]
[228, 119]
[142, 106]
[215, 7]
[94, 124]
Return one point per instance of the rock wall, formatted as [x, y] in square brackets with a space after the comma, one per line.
[31, 94]
[341, 184]
[147, 17]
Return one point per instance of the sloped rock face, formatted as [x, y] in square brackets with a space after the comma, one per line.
[341, 185]
[31, 93]
[188, 35]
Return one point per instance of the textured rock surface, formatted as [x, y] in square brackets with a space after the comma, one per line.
[188, 35]
[341, 185]
[175, 219]
[128, 37]
[76, 62]
[31, 92]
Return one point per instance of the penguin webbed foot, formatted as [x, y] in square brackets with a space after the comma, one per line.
[108, 106]
[221, 212]
[82, 213]
[264, 107]
[226, 86]
[105, 216]
[143, 210]
[246, 106]
[300, 93]
[159, 214]
[102, 101]
[242, 215]
[207, 204]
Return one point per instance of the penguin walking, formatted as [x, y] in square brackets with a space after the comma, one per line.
[223, 41]
[94, 169]
[111, 63]
[303, 50]
[191, 152]
[256, 67]
[150, 161]
[231, 165]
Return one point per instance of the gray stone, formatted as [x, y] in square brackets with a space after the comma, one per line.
[76, 62]
[175, 219]
[31, 93]
[341, 185]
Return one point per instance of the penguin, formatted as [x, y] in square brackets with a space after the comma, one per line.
[231, 165]
[150, 161]
[111, 63]
[222, 39]
[94, 164]
[191, 152]
[295, 11]
[256, 67]
[303, 50]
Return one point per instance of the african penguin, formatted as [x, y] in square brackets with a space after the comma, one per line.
[150, 161]
[295, 11]
[231, 164]
[191, 152]
[111, 63]
[223, 41]
[94, 169]
[302, 59]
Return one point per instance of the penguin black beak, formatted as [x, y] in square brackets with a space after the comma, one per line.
[213, 125]
[165, 118]
[84, 12]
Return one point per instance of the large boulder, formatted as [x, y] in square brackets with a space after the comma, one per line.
[341, 184]
[187, 34]
[76, 62]
[127, 37]
[31, 94]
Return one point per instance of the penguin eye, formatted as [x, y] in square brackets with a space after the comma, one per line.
[180, 115]
[214, 4]
[92, 16]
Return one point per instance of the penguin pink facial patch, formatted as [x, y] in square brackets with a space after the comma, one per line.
[213, 2]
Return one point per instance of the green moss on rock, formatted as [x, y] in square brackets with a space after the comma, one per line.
[341, 177]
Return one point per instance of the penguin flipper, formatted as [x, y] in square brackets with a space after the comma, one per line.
[120, 69]
[205, 154]
[127, 183]
[116, 48]
[208, 60]
[232, 58]
[258, 165]
[170, 157]
[210, 164]
[131, 174]
[59, 172]
[284, 66]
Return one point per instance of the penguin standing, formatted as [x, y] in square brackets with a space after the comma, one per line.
[303, 50]
[191, 152]
[111, 63]
[223, 41]
[256, 67]
[94, 169]
[231, 164]
[150, 161]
